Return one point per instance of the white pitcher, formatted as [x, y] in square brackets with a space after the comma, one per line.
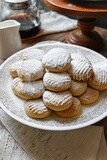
[10, 41]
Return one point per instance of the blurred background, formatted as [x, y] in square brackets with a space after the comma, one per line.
[101, 22]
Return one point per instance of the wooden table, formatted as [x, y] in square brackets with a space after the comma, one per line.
[60, 37]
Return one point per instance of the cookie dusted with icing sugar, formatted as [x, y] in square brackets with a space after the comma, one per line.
[78, 87]
[57, 101]
[89, 97]
[28, 90]
[57, 60]
[57, 81]
[33, 53]
[36, 109]
[99, 79]
[81, 69]
[31, 70]
[71, 112]
[14, 68]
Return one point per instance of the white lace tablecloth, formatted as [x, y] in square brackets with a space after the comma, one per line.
[20, 142]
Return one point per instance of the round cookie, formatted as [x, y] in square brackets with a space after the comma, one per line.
[31, 70]
[78, 87]
[57, 60]
[33, 53]
[37, 109]
[89, 97]
[14, 68]
[28, 90]
[73, 111]
[81, 69]
[57, 101]
[57, 81]
[99, 79]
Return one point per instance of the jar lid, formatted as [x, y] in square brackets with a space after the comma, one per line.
[16, 1]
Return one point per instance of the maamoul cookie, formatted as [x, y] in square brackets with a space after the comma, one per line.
[31, 70]
[57, 60]
[33, 53]
[81, 69]
[57, 81]
[57, 101]
[14, 67]
[37, 109]
[28, 90]
[73, 111]
[89, 97]
[99, 79]
[78, 87]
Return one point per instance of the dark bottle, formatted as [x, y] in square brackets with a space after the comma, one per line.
[26, 13]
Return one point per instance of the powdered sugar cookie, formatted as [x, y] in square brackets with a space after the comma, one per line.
[81, 69]
[28, 90]
[14, 67]
[57, 81]
[37, 109]
[73, 111]
[33, 53]
[89, 97]
[57, 60]
[99, 79]
[30, 70]
[78, 87]
[57, 101]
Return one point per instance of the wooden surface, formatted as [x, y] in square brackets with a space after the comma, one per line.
[86, 12]
[77, 8]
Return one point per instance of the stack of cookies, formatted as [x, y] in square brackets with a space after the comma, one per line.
[58, 81]
[28, 83]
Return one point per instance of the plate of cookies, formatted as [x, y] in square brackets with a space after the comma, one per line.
[55, 86]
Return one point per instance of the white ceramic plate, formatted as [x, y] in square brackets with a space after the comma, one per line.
[13, 105]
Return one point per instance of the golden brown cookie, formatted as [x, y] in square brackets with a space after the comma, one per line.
[37, 109]
[89, 97]
[99, 79]
[78, 87]
[57, 60]
[30, 70]
[14, 67]
[33, 53]
[28, 90]
[73, 111]
[57, 81]
[57, 101]
[81, 69]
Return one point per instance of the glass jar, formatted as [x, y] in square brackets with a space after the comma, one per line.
[26, 13]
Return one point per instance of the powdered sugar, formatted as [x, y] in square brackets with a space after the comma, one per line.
[57, 60]
[31, 70]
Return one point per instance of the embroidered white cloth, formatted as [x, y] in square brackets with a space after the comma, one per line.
[52, 22]
[84, 144]
[18, 141]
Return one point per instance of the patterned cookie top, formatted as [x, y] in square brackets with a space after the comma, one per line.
[33, 53]
[30, 70]
[81, 69]
[57, 99]
[57, 60]
[57, 81]
[36, 109]
[100, 73]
